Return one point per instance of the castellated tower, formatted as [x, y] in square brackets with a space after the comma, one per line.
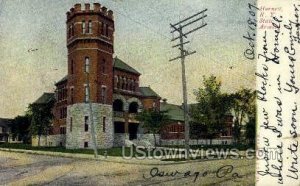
[90, 37]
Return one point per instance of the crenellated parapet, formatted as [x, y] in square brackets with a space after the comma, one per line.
[87, 9]
[90, 43]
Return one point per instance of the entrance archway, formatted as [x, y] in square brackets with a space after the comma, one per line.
[118, 105]
[133, 107]
[132, 130]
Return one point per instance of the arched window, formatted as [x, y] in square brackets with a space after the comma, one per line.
[69, 31]
[103, 94]
[72, 95]
[90, 27]
[83, 27]
[123, 83]
[116, 82]
[72, 67]
[72, 29]
[119, 82]
[133, 107]
[106, 33]
[129, 84]
[126, 83]
[103, 66]
[133, 87]
[103, 28]
[86, 93]
[118, 105]
[87, 65]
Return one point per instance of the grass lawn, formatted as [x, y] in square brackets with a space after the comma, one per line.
[116, 151]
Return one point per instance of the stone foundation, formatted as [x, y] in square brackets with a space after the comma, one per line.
[76, 137]
[119, 139]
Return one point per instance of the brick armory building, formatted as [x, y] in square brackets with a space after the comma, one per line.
[111, 86]
[95, 76]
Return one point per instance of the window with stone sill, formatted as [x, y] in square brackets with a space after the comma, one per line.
[106, 32]
[72, 67]
[83, 27]
[62, 130]
[104, 124]
[71, 124]
[90, 27]
[86, 123]
[69, 32]
[103, 66]
[103, 28]
[72, 29]
[87, 65]
[63, 112]
[103, 94]
[72, 95]
[86, 93]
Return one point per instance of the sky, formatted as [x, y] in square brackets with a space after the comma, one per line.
[142, 40]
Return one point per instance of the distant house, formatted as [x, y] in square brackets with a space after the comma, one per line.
[45, 98]
[5, 131]
[173, 132]
[175, 127]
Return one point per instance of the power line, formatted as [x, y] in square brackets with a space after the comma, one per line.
[179, 27]
[141, 24]
[162, 35]
[91, 116]
[147, 27]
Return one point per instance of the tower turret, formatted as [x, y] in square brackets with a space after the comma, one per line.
[90, 39]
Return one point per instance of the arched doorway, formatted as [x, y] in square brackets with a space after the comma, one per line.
[133, 107]
[118, 105]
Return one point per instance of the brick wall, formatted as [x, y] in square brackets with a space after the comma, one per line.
[97, 45]
[149, 103]
[60, 108]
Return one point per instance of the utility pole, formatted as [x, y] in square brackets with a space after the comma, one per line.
[93, 134]
[178, 27]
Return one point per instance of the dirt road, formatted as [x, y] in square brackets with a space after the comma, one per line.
[28, 169]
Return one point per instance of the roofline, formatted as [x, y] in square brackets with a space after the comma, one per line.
[62, 80]
[137, 73]
[6, 118]
[151, 96]
[43, 95]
